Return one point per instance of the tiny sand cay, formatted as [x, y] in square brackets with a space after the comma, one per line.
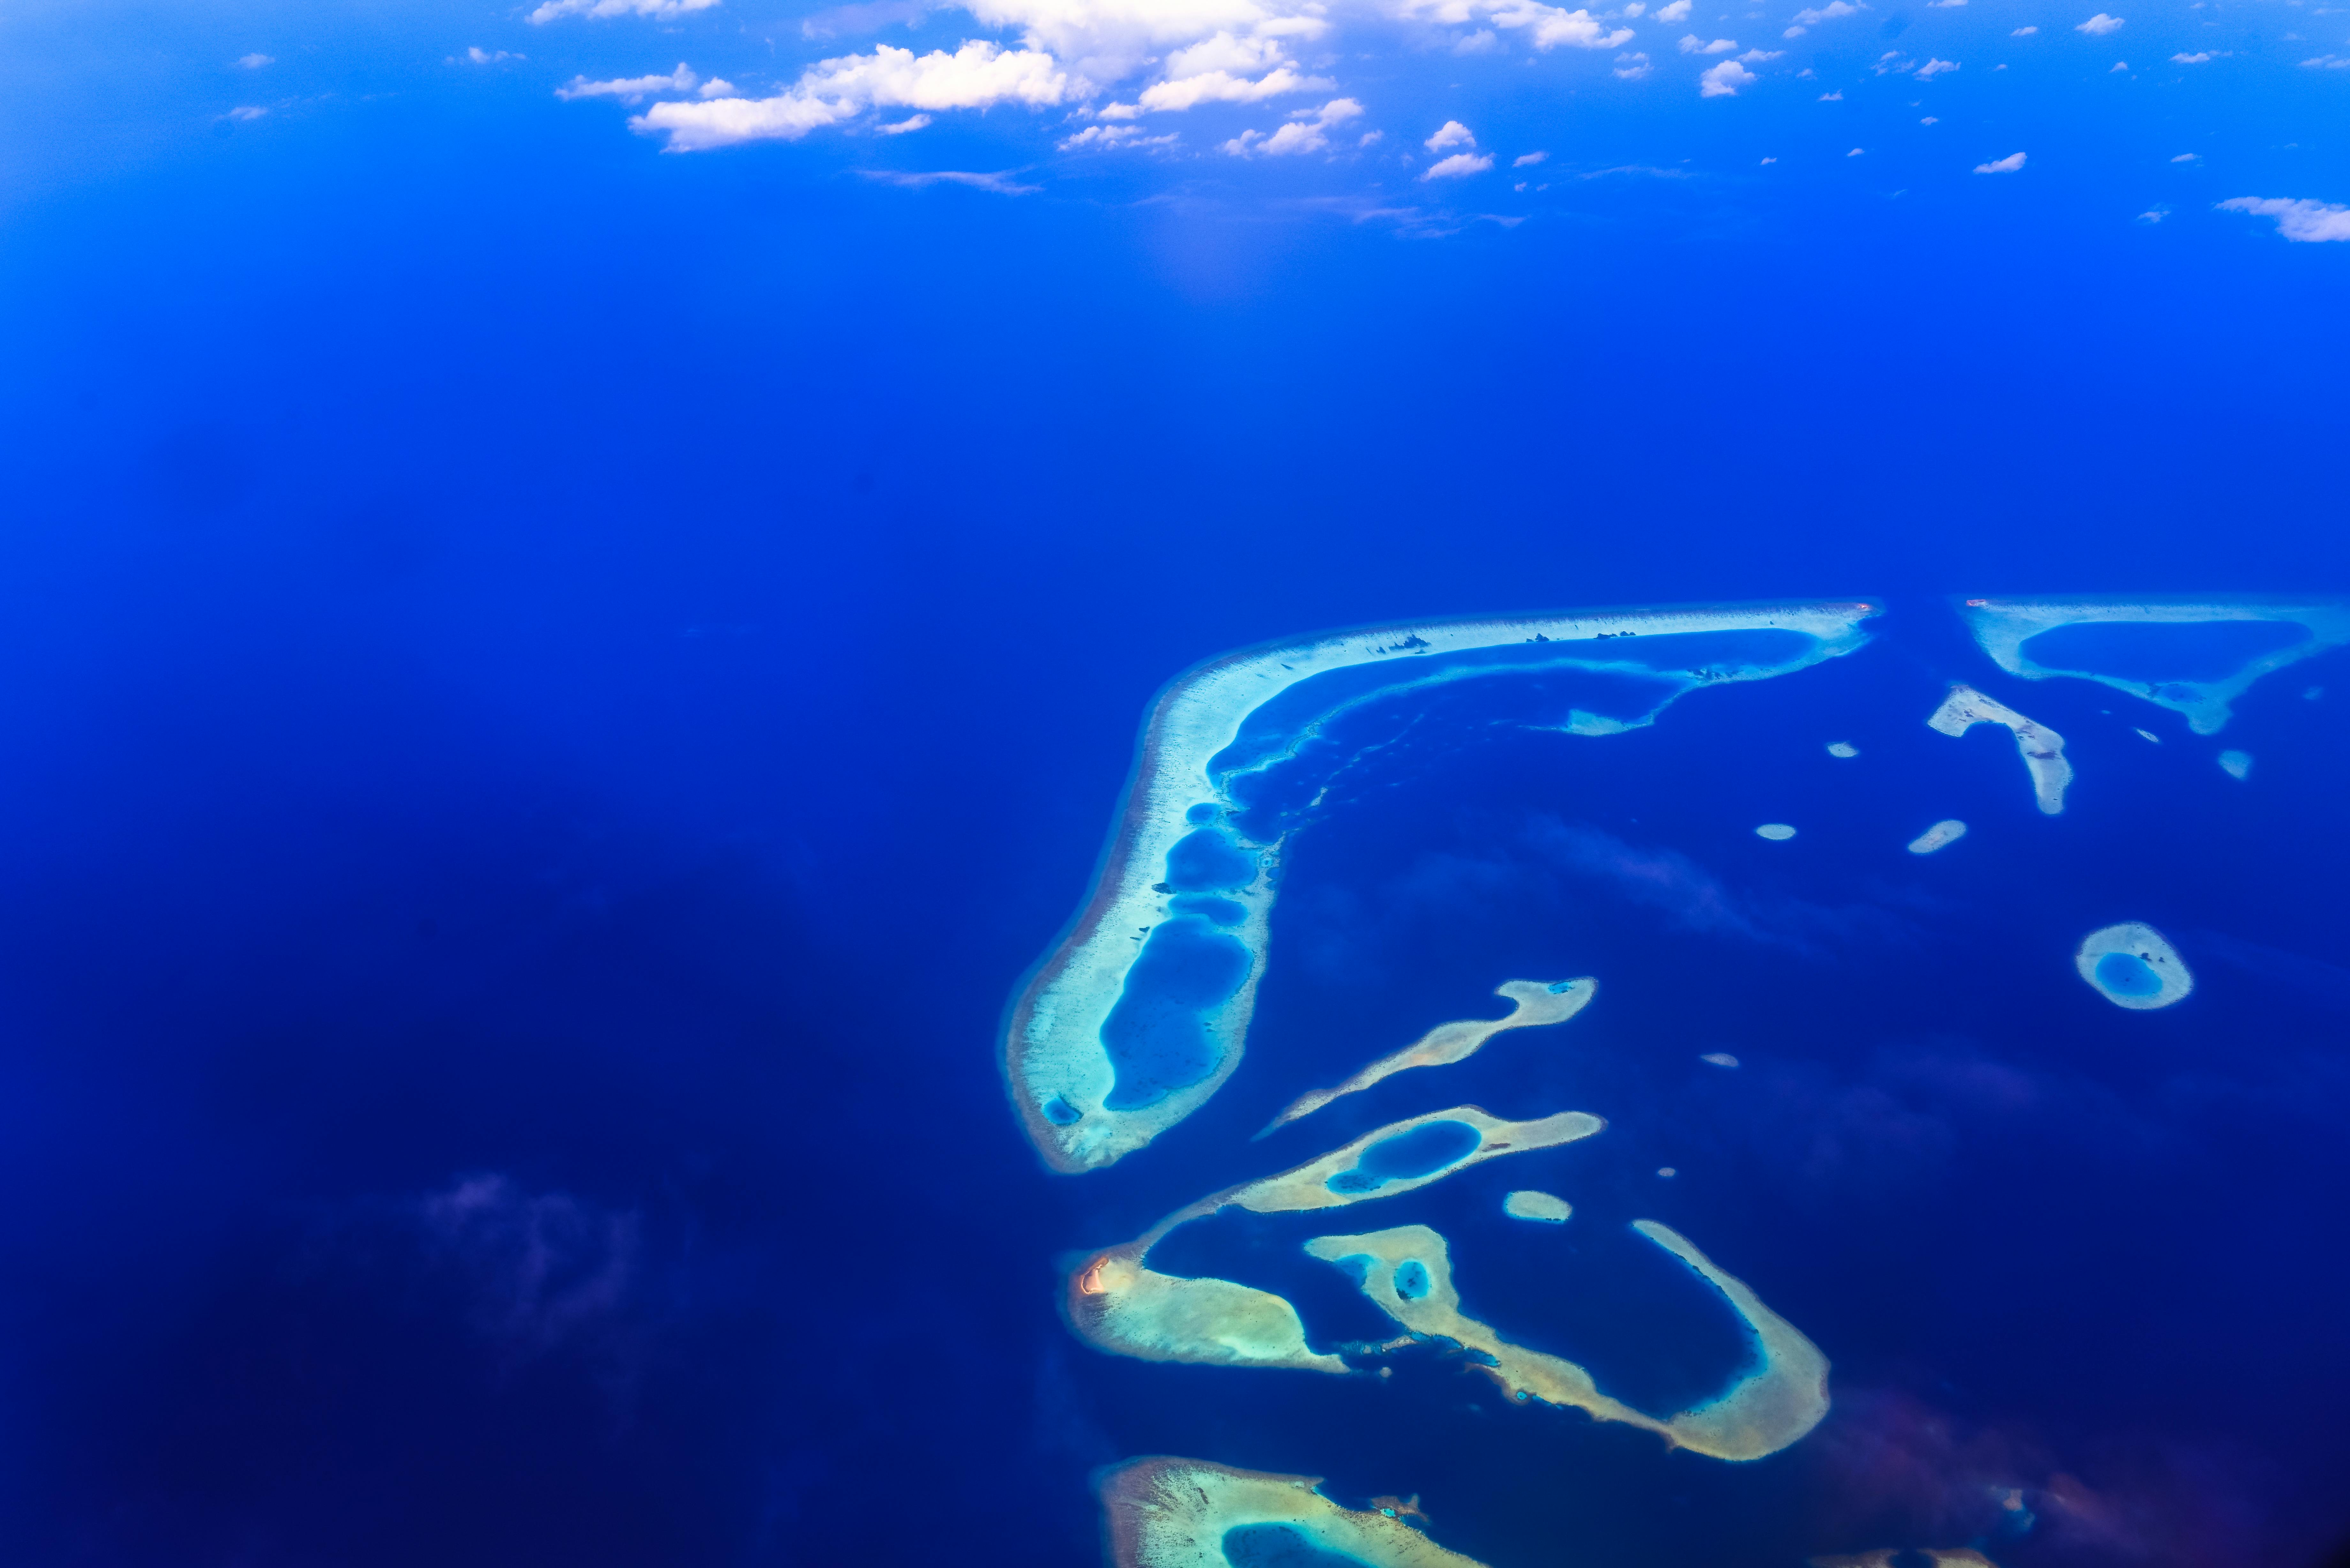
[1187, 1513]
[1532, 1004]
[2194, 656]
[1141, 1012]
[2130, 965]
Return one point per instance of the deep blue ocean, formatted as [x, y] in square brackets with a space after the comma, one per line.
[553, 692]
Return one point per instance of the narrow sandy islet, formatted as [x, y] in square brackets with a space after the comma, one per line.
[2043, 749]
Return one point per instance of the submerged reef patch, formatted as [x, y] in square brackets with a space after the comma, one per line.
[1947, 831]
[2043, 749]
[2131, 965]
[1167, 1513]
[1407, 1272]
[2194, 656]
[1141, 1012]
[1531, 1005]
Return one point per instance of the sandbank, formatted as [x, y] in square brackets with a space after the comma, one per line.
[1166, 1512]
[1116, 1302]
[2198, 687]
[1777, 831]
[1529, 1204]
[1948, 831]
[1843, 749]
[1179, 886]
[2236, 765]
[1407, 1272]
[2043, 747]
[1533, 1002]
[2131, 965]
[1890, 1557]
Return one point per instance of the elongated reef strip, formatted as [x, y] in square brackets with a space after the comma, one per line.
[2001, 626]
[1057, 1068]
[1948, 831]
[1167, 1513]
[1532, 1004]
[2043, 749]
[1116, 1302]
[1407, 1272]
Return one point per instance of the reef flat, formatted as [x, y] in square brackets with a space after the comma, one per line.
[1529, 1204]
[2194, 656]
[1407, 1272]
[1891, 1557]
[1167, 1513]
[1116, 1302]
[2131, 965]
[1532, 1004]
[1948, 831]
[2043, 747]
[1140, 1013]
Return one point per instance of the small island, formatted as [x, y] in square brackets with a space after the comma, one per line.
[1167, 1513]
[1407, 1272]
[2042, 747]
[2131, 965]
[1529, 1204]
[1947, 831]
[1532, 1004]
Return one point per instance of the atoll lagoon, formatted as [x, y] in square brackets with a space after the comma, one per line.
[1187, 1513]
[2131, 965]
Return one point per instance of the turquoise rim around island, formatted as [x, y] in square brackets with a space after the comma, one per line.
[2194, 656]
[1169, 1512]
[1139, 1013]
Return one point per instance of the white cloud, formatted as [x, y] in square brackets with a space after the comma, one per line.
[2189, 158]
[481, 57]
[1931, 119]
[2154, 215]
[1693, 45]
[719, 87]
[253, 62]
[1307, 132]
[1725, 81]
[1527, 160]
[659, 10]
[1222, 87]
[1483, 41]
[2329, 63]
[1548, 26]
[2305, 221]
[912, 122]
[630, 89]
[1855, 153]
[1676, 11]
[977, 76]
[1831, 98]
[246, 112]
[2098, 25]
[1757, 57]
[1108, 138]
[2201, 56]
[2023, 32]
[2007, 165]
[1111, 40]
[1633, 67]
[1890, 60]
[1452, 133]
[2118, 66]
[1459, 166]
[1944, 5]
[1935, 67]
[1827, 12]
[1001, 182]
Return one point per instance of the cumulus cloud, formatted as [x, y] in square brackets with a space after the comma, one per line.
[1693, 45]
[1676, 11]
[912, 122]
[253, 62]
[1811, 18]
[1459, 166]
[1725, 81]
[2329, 63]
[1633, 67]
[2007, 165]
[631, 90]
[2098, 25]
[2304, 220]
[1108, 138]
[1547, 27]
[1225, 68]
[1103, 42]
[1452, 133]
[1307, 132]
[659, 10]
[2201, 56]
[2023, 32]
[977, 76]
[482, 56]
[1935, 67]
[1527, 160]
